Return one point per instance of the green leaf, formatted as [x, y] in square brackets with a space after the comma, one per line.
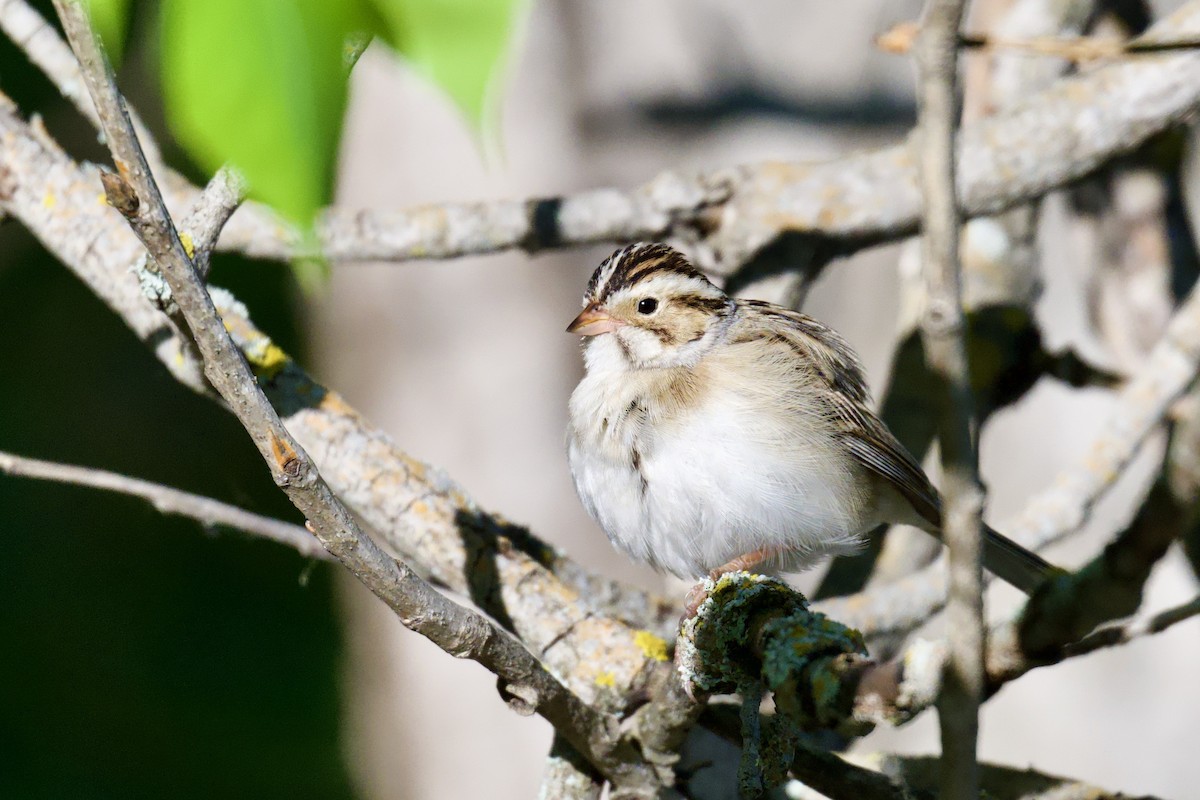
[459, 44]
[261, 84]
[110, 19]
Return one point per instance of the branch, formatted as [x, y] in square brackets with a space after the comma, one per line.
[1113, 635]
[455, 629]
[899, 40]
[167, 500]
[997, 782]
[1139, 408]
[222, 196]
[1048, 140]
[568, 776]
[946, 354]
[29, 31]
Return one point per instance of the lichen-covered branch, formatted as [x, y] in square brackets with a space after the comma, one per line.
[1044, 142]
[753, 629]
[1047, 140]
[568, 775]
[168, 500]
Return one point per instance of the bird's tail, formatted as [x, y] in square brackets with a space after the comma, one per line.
[1014, 564]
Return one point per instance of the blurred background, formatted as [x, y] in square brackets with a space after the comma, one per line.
[144, 657]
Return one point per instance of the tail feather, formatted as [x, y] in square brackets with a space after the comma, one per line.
[1014, 564]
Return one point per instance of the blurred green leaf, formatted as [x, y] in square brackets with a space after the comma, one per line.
[110, 19]
[459, 44]
[262, 84]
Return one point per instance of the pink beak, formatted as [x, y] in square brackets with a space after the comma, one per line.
[592, 321]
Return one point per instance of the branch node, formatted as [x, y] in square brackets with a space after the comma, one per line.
[520, 697]
[120, 194]
[286, 459]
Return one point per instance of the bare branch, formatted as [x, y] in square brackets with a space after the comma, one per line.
[459, 631]
[1113, 635]
[29, 31]
[168, 500]
[946, 354]
[899, 40]
[204, 223]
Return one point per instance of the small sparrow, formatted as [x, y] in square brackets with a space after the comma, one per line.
[711, 434]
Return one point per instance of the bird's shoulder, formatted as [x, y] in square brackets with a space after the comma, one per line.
[813, 347]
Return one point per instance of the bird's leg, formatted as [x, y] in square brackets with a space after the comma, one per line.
[747, 562]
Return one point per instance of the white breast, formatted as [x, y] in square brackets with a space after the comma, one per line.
[726, 478]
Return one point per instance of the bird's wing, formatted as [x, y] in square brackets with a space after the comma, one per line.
[869, 440]
[843, 389]
[831, 356]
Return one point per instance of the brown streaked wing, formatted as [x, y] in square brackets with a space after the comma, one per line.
[869, 440]
[832, 355]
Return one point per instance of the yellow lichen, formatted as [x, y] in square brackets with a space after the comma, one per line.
[185, 239]
[651, 646]
[266, 359]
[607, 680]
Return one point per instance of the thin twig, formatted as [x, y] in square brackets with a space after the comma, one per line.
[168, 500]
[456, 629]
[899, 40]
[1112, 635]
[222, 196]
[946, 354]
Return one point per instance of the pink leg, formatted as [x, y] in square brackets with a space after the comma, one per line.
[747, 562]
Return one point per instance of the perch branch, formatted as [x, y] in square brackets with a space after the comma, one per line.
[457, 630]
[168, 500]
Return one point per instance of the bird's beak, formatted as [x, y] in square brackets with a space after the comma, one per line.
[592, 321]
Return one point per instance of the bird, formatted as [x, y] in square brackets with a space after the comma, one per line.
[711, 434]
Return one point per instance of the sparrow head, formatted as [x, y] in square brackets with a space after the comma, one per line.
[654, 307]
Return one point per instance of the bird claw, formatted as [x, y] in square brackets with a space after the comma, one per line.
[694, 599]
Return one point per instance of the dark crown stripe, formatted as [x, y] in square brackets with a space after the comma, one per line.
[636, 263]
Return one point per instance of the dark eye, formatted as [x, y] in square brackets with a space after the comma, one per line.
[647, 305]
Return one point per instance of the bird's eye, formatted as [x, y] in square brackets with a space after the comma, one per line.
[647, 305]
